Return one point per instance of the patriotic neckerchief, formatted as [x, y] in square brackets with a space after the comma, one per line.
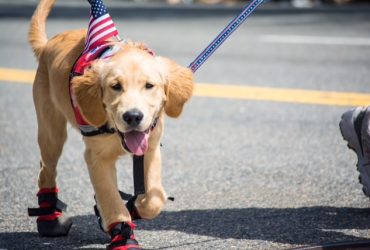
[101, 29]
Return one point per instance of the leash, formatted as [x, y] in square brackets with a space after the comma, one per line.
[224, 34]
[99, 18]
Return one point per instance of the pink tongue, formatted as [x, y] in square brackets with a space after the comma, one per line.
[137, 142]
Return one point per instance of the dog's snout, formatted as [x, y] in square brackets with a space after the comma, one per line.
[133, 117]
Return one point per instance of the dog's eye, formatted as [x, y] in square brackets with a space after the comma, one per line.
[149, 85]
[117, 87]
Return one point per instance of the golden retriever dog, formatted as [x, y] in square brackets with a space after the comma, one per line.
[127, 92]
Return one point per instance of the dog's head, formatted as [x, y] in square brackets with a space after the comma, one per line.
[130, 90]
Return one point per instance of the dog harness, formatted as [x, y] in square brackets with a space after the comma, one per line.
[104, 51]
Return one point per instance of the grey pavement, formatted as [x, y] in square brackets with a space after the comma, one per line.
[245, 174]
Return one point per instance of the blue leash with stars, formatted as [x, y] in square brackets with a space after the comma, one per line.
[224, 34]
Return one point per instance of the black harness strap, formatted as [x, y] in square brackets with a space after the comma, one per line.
[105, 129]
[138, 170]
[56, 205]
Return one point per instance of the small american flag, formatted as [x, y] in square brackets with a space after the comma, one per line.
[101, 26]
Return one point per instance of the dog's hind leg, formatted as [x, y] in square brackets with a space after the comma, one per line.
[52, 132]
[52, 135]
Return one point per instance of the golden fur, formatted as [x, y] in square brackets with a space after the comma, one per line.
[132, 67]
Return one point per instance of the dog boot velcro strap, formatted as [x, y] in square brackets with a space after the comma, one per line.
[122, 237]
[51, 221]
[130, 205]
[49, 204]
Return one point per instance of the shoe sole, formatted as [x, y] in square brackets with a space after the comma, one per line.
[54, 228]
[349, 134]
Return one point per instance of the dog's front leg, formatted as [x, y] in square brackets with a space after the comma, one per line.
[150, 204]
[101, 164]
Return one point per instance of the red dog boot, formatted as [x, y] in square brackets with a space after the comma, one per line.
[122, 237]
[50, 222]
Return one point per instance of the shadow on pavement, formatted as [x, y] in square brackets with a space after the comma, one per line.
[306, 225]
[84, 233]
[300, 226]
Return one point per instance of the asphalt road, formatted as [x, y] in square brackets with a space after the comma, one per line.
[245, 174]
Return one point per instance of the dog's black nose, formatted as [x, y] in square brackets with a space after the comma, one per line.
[133, 117]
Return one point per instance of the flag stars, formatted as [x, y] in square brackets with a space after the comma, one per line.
[101, 26]
[98, 9]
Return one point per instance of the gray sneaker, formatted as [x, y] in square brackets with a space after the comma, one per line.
[355, 129]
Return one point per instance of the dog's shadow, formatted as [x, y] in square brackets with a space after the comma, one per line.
[301, 226]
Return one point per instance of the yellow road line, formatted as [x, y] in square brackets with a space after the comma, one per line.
[16, 75]
[240, 92]
[283, 95]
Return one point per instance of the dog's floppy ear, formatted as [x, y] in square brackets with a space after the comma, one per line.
[178, 87]
[88, 94]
